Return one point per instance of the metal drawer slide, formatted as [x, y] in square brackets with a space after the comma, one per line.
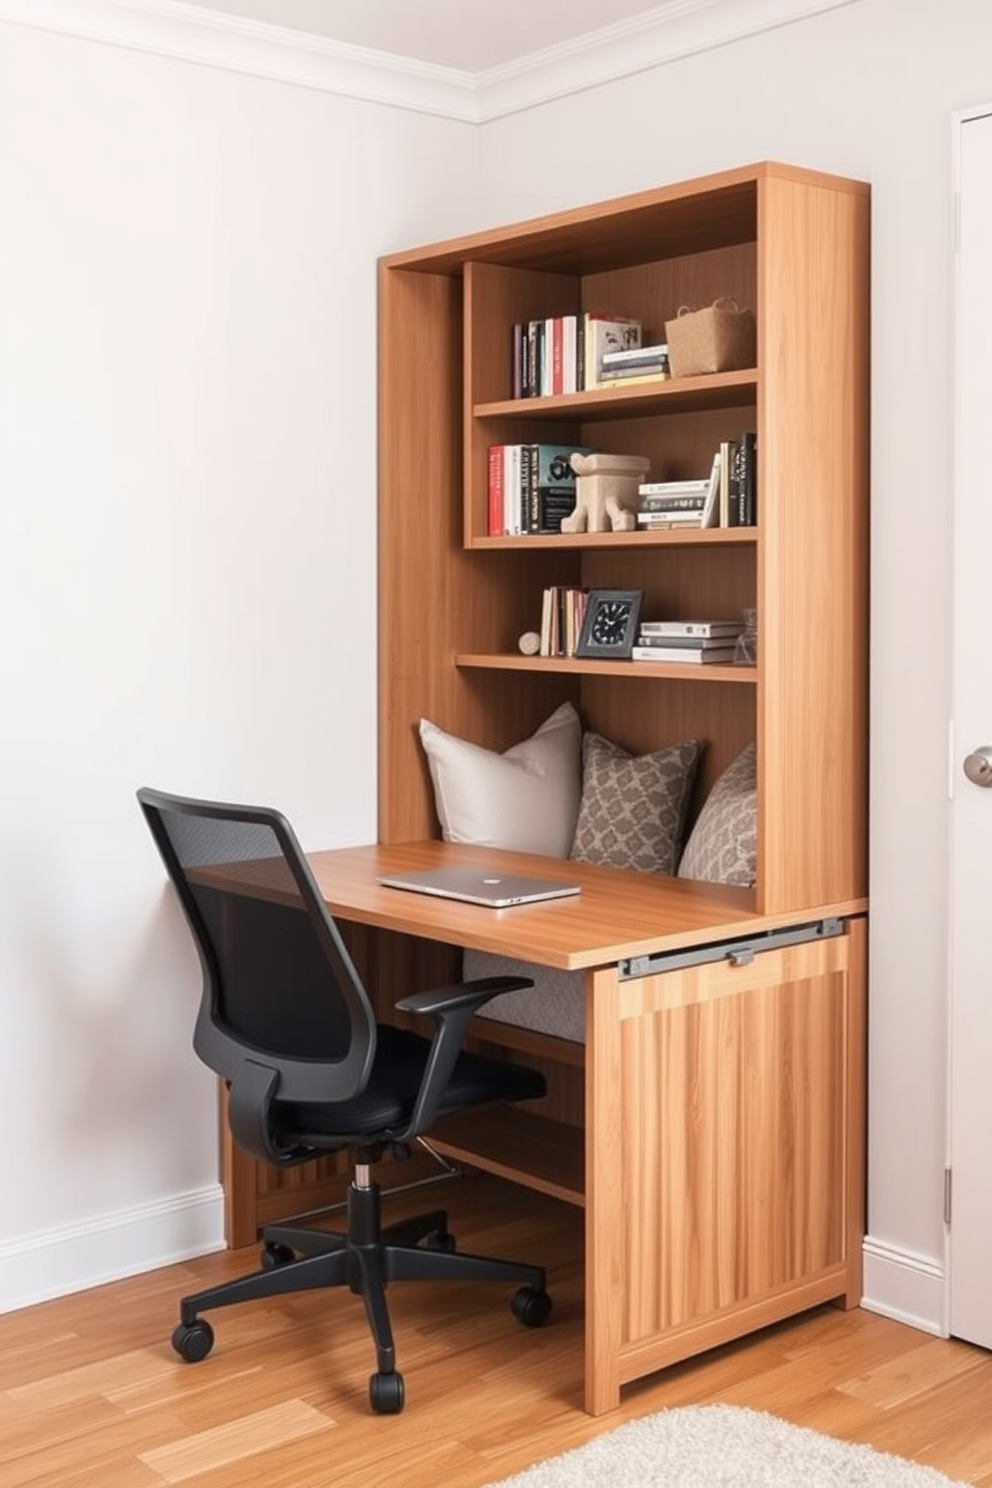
[739, 952]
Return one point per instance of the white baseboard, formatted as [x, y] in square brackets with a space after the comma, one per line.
[52, 1263]
[907, 1287]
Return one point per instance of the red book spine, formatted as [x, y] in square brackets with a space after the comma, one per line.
[557, 355]
[495, 512]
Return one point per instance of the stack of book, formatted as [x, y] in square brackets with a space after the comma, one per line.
[564, 353]
[687, 642]
[727, 497]
[674, 503]
[562, 610]
[531, 487]
[635, 365]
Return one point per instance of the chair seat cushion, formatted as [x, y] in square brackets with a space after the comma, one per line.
[388, 1098]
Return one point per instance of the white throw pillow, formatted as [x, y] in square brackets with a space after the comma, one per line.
[526, 800]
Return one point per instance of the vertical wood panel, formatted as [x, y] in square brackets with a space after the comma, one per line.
[813, 339]
[606, 1268]
[735, 1139]
[420, 470]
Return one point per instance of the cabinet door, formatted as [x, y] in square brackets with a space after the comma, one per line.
[724, 1189]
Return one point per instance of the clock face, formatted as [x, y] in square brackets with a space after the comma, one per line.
[609, 623]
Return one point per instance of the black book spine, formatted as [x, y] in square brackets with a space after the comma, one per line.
[746, 479]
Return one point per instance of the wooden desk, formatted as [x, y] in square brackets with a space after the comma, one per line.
[721, 1160]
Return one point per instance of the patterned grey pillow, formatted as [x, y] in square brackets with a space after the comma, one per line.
[633, 807]
[723, 845]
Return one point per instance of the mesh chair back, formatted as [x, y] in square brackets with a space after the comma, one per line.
[279, 987]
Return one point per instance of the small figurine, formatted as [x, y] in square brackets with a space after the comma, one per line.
[606, 492]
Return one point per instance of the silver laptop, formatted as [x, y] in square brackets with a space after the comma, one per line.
[476, 886]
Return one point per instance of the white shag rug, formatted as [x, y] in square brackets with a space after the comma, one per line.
[722, 1446]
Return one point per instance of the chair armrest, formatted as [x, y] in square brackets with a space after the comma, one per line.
[452, 1009]
[472, 995]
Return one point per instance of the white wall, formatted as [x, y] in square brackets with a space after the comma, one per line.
[867, 91]
[183, 253]
[187, 576]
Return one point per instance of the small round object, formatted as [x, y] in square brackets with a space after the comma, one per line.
[275, 1255]
[386, 1393]
[529, 643]
[193, 1341]
[530, 1307]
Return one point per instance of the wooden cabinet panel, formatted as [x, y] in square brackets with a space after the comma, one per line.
[729, 1134]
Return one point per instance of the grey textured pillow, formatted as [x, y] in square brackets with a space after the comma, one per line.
[525, 799]
[723, 845]
[633, 807]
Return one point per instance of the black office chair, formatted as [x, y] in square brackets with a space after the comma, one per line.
[285, 1021]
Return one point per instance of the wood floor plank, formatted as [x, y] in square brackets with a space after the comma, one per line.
[915, 1372]
[234, 1440]
[91, 1392]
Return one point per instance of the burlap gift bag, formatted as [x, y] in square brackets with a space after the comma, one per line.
[715, 339]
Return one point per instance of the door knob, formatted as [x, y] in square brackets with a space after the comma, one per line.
[978, 765]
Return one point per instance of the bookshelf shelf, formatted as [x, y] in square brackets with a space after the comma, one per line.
[668, 396]
[606, 541]
[628, 671]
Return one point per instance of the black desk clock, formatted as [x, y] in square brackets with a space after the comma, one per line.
[609, 624]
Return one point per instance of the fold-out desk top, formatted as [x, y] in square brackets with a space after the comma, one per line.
[617, 915]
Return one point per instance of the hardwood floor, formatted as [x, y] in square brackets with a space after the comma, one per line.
[91, 1392]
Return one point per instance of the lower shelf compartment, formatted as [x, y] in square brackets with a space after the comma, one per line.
[531, 1150]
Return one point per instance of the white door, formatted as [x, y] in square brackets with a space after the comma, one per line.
[970, 1239]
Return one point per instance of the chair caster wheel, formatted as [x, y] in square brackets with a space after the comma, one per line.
[442, 1240]
[275, 1255]
[531, 1307]
[193, 1341]
[386, 1393]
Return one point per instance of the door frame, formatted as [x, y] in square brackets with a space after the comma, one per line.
[960, 119]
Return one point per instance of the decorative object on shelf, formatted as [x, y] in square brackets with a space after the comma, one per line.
[529, 643]
[606, 492]
[746, 650]
[718, 338]
[609, 624]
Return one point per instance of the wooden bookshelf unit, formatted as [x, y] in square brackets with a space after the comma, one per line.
[712, 1125]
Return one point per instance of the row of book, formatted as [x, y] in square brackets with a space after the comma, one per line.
[531, 487]
[562, 612]
[727, 497]
[687, 642]
[565, 353]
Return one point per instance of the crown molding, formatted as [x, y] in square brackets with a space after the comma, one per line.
[171, 28]
[671, 32]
